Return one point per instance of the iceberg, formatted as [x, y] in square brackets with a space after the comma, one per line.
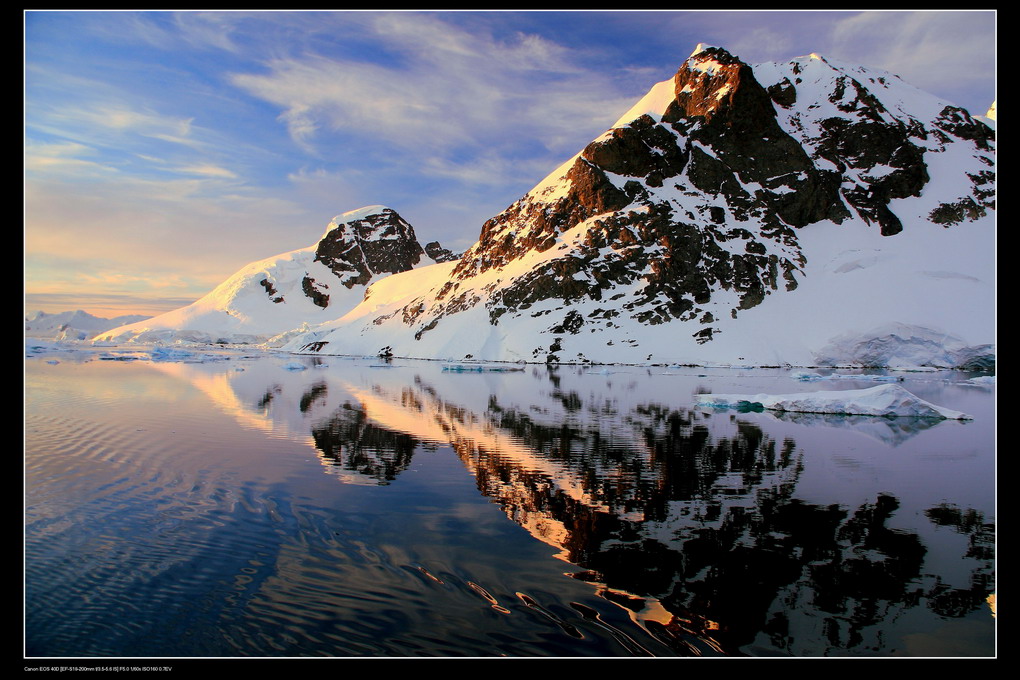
[884, 400]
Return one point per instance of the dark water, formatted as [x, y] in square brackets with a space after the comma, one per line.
[237, 508]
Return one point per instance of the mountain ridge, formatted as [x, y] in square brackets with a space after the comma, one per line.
[74, 325]
[696, 210]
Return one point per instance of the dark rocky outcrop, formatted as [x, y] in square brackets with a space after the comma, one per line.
[315, 291]
[372, 241]
[865, 145]
[439, 253]
[375, 243]
[502, 239]
[271, 291]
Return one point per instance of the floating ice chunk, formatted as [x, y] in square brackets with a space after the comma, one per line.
[481, 368]
[883, 400]
[870, 378]
[806, 376]
[982, 381]
[170, 354]
[294, 366]
[38, 346]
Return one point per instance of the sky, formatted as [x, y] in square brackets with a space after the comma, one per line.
[166, 150]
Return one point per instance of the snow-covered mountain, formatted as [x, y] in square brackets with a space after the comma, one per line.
[737, 213]
[73, 326]
[307, 286]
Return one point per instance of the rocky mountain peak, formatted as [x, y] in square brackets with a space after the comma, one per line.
[368, 241]
[361, 244]
[709, 82]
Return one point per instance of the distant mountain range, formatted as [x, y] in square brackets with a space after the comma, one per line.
[74, 326]
[778, 213]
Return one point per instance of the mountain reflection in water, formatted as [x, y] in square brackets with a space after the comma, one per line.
[693, 523]
[691, 526]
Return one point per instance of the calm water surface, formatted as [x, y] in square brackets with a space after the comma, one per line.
[235, 507]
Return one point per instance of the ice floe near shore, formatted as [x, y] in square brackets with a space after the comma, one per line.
[807, 376]
[482, 368]
[883, 400]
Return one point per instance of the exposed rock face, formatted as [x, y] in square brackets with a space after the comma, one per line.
[357, 247]
[314, 291]
[879, 153]
[439, 253]
[369, 242]
[271, 291]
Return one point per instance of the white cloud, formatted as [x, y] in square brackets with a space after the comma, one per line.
[65, 166]
[167, 30]
[57, 149]
[442, 88]
[120, 119]
[143, 122]
[207, 170]
[107, 125]
[209, 29]
[62, 158]
[931, 50]
[486, 168]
